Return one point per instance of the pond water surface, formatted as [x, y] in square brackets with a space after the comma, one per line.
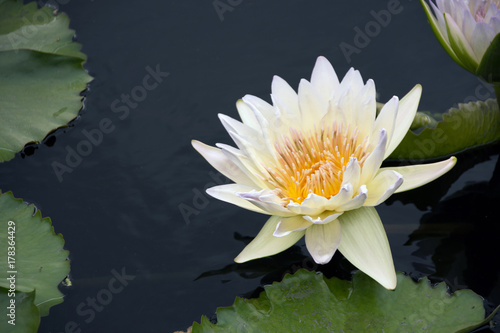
[120, 208]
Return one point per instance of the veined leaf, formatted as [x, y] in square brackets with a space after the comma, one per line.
[39, 261]
[469, 125]
[41, 75]
[308, 302]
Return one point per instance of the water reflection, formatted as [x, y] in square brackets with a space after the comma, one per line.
[460, 236]
[274, 268]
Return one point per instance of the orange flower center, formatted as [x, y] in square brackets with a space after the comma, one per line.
[314, 163]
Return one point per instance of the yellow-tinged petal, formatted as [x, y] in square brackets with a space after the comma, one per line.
[312, 106]
[364, 243]
[374, 160]
[222, 163]
[460, 45]
[324, 79]
[421, 174]
[267, 201]
[247, 115]
[322, 241]
[228, 192]
[265, 244]
[287, 225]
[382, 187]
[407, 108]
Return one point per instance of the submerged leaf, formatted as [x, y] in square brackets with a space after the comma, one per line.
[308, 302]
[39, 261]
[469, 125]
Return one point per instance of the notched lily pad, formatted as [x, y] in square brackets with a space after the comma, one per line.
[308, 302]
[470, 125]
[39, 261]
[22, 315]
[42, 74]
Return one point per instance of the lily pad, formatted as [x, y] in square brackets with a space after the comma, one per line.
[308, 302]
[39, 262]
[469, 125]
[42, 75]
[22, 312]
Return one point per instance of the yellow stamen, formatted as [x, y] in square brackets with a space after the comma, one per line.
[314, 163]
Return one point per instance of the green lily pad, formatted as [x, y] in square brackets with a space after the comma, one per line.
[469, 125]
[22, 312]
[308, 302]
[39, 262]
[42, 75]
[25, 27]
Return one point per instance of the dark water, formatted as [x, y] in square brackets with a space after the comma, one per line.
[119, 207]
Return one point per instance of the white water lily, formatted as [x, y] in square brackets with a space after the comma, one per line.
[313, 160]
[465, 28]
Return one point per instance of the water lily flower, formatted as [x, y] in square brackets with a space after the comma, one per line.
[312, 161]
[468, 30]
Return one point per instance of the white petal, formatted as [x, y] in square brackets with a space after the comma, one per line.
[244, 163]
[460, 45]
[345, 194]
[265, 115]
[285, 96]
[374, 160]
[313, 204]
[382, 187]
[267, 201]
[247, 115]
[228, 192]
[364, 243]
[324, 79]
[367, 109]
[288, 225]
[254, 150]
[312, 107]
[259, 106]
[232, 125]
[322, 241]
[335, 114]
[355, 202]
[407, 109]
[323, 218]
[222, 163]
[386, 119]
[347, 96]
[421, 174]
[352, 173]
[482, 36]
[265, 244]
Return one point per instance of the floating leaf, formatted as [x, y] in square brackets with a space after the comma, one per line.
[42, 75]
[27, 315]
[25, 27]
[308, 302]
[40, 262]
[472, 124]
